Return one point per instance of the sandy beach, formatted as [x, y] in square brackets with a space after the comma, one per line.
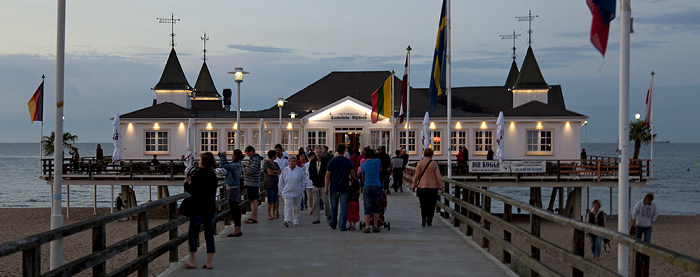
[23, 222]
[672, 232]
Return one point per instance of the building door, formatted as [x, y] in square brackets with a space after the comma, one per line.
[351, 137]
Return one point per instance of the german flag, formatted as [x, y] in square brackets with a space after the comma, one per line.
[36, 104]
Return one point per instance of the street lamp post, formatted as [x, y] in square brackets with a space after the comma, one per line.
[637, 116]
[291, 135]
[238, 78]
[280, 104]
[585, 136]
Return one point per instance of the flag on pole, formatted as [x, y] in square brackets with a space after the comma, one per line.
[381, 100]
[36, 104]
[437, 76]
[650, 103]
[603, 12]
[404, 91]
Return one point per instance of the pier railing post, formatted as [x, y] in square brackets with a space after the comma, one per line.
[458, 208]
[578, 248]
[172, 234]
[142, 249]
[444, 213]
[508, 217]
[222, 195]
[535, 231]
[31, 262]
[486, 206]
[99, 243]
[641, 265]
[470, 214]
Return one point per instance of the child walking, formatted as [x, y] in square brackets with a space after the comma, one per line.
[354, 205]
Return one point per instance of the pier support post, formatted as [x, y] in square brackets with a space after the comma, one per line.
[578, 248]
[535, 231]
[172, 234]
[508, 217]
[99, 243]
[458, 208]
[486, 206]
[142, 249]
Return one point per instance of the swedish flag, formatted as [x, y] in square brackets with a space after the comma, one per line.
[437, 76]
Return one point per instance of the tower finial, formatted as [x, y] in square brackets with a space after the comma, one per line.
[513, 37]
[529, 19]
[204, 39]
[172, 20]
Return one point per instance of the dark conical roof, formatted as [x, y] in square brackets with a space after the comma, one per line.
[530, 76]
[512, 75]
[204, 87]
[173, 77]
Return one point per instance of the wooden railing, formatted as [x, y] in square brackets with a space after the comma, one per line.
[471, 206]
[101, 252]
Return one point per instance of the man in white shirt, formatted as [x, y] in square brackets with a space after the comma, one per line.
[643, 215]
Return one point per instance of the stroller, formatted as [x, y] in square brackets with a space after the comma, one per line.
[381, 221]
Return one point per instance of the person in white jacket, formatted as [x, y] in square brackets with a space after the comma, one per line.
[292, 185]
[643, 215]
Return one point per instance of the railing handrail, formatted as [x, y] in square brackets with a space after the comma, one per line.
[642, 248]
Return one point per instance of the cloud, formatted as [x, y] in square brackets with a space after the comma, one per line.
[264, 49]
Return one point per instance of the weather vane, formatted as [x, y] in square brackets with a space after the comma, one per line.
[172, 20]
[528, 18]
[513, 37]
[204, 39]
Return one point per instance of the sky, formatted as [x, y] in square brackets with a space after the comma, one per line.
[116, 51]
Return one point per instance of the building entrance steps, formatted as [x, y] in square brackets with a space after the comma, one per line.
[270, 249]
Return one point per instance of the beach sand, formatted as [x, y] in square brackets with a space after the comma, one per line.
[22, 222]
[673, 232]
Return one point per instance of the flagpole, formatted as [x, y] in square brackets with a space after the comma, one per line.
[56, 257]
[448, 78]
[392, 120]
[651, 123]
[623, 136]
[408, 97]
[41, 134]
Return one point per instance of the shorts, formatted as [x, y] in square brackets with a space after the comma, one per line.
[272, 195]
[372, 199]
[234, 194]
[253, 193]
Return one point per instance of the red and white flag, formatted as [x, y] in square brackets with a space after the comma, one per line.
[650, 102]
[404, 91]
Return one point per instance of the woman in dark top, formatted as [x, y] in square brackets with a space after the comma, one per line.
[202, 186]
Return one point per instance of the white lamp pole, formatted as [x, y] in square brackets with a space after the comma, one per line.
[291, 136]
[585, 136]
[280, 104]
[56, 255]
[238, 78]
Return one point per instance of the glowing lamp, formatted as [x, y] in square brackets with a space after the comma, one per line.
[436, 139]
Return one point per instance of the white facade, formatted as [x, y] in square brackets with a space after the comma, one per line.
[348, 120]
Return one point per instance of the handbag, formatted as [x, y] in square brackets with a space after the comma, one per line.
[186, 207]
[606, 245]
[633, 231]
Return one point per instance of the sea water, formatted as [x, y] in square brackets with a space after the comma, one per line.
[676, 184]
[21, 187]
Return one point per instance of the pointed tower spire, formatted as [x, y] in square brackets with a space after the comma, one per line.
[512, 75]
[173, 78]
[530, 76]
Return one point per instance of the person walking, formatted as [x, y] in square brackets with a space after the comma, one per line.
[426, 183]
[596, 217]
[309, 195]
[372, 194]
[386, 163]
[317, 175]
[202, 186]
[252, 174]
[338, 186]
[396, 170]
[292, 183]
[232, 183]
[643, 216]
[271, 172]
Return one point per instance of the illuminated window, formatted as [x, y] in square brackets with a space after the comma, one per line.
[231, 141]
[156, 141]
[380, 138]
[436, 142]
[209, 141]
[458, 138]
[411, 141]
[268, 141]
[539, 142]
[482, 139]
[316, 138]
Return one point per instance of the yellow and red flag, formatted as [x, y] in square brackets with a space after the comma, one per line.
[36, 104]
[381, 100]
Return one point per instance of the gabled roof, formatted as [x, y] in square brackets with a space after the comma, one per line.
[173, 77]
[162, 110]
[539, 109]
[204, 87]
[512, 75]
[530, 76]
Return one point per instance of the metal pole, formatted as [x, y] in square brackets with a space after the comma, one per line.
[279, 130]
[623, 136]
[392, 119]
[111, 199]
[585, 137]
[238, 115]
[408, 97]
[651, 123]
[94, 201]
[448, 77]
[56, 258]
